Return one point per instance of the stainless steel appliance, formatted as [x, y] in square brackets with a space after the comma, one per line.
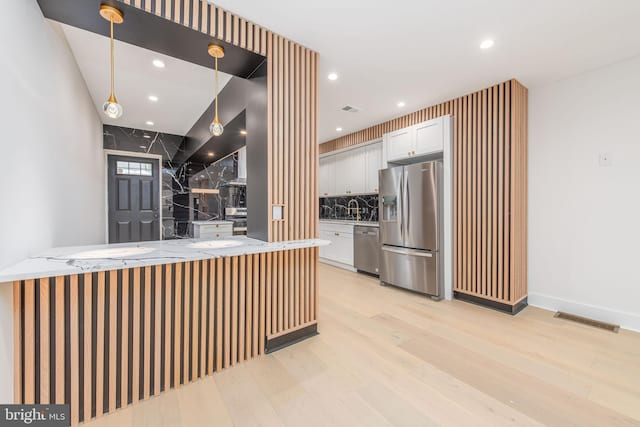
[410, 206]
[366, 249]
[239, 218]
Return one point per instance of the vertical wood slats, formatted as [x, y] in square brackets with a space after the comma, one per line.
[144, 330]
[292, 86]
[490, 186]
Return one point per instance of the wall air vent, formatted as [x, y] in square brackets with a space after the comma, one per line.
[350, 109]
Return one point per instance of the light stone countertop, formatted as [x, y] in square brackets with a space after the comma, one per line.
[216, 222]
[349, 222]
[88, 259]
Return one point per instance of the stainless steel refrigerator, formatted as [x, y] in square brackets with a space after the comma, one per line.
[410, 204]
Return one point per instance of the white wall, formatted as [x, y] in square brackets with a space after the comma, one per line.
[584, 219]
[51, 161]
[52, 166]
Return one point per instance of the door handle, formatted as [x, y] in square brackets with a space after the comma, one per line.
[407, 252]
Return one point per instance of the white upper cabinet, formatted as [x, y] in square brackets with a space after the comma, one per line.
[373, 155]
[349, 171]
[399, 143]
[352, 171]
[418, 140]
[326, 177]
[429, 137]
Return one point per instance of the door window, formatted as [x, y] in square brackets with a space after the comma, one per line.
[134, 168]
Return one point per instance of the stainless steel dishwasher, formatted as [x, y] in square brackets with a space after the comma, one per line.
[366, 249]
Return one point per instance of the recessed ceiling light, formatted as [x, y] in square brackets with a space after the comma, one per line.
[153, 98]
[147, 136]
[149, 123]
[144, 147]
[332, 76]
[401, 104]
[487, 44]
[338, 129]
[210, 154]
[202, 176]
[158, 63]
[243, 132]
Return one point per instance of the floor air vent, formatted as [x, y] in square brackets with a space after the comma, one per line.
[587, 321]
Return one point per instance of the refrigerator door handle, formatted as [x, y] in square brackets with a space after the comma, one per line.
[401, 213]
[407, 252]
[407, 212]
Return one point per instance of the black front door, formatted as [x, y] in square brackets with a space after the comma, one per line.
[133, 193]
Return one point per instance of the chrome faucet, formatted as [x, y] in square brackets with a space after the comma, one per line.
[350, 209]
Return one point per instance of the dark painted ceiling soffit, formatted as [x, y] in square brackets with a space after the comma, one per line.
[152, 32]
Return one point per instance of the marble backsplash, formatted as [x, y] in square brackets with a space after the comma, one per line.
[347, 208]
[180, 205]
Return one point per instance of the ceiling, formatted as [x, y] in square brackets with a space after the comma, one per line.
[184, 90]
[426, 51]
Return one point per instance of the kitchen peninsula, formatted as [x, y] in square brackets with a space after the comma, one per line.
[135, 319]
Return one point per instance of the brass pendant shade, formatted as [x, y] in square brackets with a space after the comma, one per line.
[217, 52]
[112, 108]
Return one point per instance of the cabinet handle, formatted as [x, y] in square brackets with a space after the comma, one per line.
[413, 152]
[375, 189]
[408, 153]
[337, 234]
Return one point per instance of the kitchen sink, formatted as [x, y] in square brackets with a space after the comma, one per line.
[110, 253]
[215, 244]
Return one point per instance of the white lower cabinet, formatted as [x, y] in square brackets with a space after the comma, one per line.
[212, 230]
[341, 248]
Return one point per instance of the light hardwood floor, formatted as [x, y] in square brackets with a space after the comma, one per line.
[389, 357]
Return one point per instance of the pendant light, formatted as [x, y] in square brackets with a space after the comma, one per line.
[111, 108]
[216, 127]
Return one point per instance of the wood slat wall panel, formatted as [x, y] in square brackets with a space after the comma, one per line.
[490, 186]
[146, 330]
[292, 86]
[45, 337]
[59, 337]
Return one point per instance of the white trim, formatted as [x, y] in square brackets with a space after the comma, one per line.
[626, 320]
[338, 264]
[352, 147]
[447, 164]
[107, 153]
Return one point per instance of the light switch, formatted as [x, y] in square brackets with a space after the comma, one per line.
[605, 159]
[278, 212]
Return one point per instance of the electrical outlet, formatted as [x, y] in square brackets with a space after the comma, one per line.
[605, 159]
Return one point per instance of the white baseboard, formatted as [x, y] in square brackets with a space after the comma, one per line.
[625, 319]
[338, 264]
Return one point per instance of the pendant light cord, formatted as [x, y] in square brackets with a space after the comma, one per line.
[216, 99]
[112, 60]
